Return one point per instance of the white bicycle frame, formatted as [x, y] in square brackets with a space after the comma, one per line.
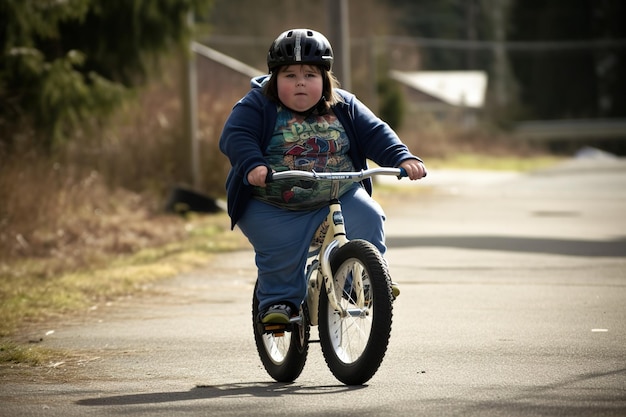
[319, 269]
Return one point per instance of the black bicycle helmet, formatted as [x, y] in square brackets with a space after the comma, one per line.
[300, 46]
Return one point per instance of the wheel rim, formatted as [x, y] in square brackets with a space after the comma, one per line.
[350, 334]
[277, 346]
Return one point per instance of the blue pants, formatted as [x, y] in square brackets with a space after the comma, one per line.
[281, 241]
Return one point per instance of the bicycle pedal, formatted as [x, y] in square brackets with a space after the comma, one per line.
[274, 328]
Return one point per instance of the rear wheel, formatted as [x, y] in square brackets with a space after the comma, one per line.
[354, 345]
[283, 351]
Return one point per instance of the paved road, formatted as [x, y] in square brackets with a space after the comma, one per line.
[513, 304]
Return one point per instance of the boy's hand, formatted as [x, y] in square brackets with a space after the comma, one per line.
[257, 176]
[414, 168]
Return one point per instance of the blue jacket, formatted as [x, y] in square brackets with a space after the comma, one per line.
[251, 123]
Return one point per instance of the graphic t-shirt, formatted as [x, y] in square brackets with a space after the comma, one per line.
[317, 143]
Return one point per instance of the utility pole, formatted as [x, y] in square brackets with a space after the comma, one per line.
[190, 111]
[339, 36]
[499, 10]
[470, 22]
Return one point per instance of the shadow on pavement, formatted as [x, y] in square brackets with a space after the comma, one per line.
[253, 389]
[593, 248]
[540, 400]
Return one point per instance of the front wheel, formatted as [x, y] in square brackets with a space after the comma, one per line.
[283, 353]
[354, 345]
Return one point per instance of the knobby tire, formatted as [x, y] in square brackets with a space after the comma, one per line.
[354, 347]
[283, 357]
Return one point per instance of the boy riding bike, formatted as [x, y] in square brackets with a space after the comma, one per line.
[296, 118]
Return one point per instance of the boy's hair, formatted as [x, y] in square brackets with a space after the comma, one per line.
[329, 93]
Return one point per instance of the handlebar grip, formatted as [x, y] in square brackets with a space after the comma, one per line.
[403, 173]
[269, 177]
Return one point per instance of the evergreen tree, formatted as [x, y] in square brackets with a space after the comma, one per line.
[66, 62]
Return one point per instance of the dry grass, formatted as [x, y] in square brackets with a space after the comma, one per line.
[118, 255]
[86, 224]
[440, 143]
[68, 238]
[51, 213]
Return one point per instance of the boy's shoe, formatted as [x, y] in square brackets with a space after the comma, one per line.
[277, 313]
[395, 290]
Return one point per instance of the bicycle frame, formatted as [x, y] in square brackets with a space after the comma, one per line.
[319, 269]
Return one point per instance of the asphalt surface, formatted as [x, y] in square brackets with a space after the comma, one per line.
[513, 304]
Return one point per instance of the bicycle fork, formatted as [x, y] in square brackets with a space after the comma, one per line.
[321, 278]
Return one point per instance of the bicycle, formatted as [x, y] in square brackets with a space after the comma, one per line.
[349, 297]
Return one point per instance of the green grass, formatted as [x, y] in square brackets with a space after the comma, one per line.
[492, 163]
[14, 353]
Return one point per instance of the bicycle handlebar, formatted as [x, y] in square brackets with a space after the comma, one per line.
[335, 176]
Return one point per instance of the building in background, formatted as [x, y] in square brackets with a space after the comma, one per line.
[452, 98]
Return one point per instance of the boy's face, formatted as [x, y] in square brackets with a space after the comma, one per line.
[300, 86]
